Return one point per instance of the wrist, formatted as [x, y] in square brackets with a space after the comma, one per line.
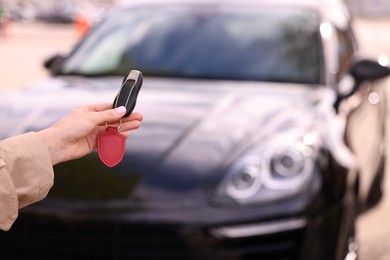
[53, 145]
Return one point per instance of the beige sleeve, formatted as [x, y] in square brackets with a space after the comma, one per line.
[26, 174]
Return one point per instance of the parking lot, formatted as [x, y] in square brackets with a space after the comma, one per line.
[373, 226]
[24, 47]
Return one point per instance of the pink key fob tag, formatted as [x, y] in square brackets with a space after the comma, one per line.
[111, 146]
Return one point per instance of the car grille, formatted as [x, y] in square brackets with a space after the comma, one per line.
[51, 239]
[280, 246]
[33, 238]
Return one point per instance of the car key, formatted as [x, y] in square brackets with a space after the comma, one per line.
[127, 95]
[111, 144]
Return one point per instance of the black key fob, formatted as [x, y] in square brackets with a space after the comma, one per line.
[127, 95]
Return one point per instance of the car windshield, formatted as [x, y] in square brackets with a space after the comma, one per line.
[219, 42]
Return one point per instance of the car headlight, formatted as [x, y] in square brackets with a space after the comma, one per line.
[287, 163]
[278, 168]
[246, 179]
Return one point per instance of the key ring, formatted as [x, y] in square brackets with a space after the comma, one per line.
[119, 126]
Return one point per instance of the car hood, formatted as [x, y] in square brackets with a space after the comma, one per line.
[192, 130]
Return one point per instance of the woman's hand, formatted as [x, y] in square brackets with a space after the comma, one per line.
[75, 135]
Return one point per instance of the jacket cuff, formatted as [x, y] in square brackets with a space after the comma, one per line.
[30, 167]
[8, 198]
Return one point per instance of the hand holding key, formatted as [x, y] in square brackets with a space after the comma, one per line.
[111, 144]
[76, 134]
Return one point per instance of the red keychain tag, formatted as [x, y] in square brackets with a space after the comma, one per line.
[111, 146]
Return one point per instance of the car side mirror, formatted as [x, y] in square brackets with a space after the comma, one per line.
[366, 69]
[54, 62]
[361, 70]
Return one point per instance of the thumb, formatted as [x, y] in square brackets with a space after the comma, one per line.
[109, 116]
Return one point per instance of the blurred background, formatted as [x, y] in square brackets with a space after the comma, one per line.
[33, 30]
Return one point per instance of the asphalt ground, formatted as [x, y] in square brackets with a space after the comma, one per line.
[373, 228]
[24, 48]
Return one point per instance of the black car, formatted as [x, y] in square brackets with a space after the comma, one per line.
[262, 138]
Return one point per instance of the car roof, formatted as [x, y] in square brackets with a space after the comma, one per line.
[335, 11]
[310, 3]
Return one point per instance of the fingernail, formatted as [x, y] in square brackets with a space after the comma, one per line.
[120, 110]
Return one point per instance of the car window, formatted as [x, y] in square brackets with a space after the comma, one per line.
[225, 42]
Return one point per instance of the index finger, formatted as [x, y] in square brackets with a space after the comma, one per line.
[99, 107]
